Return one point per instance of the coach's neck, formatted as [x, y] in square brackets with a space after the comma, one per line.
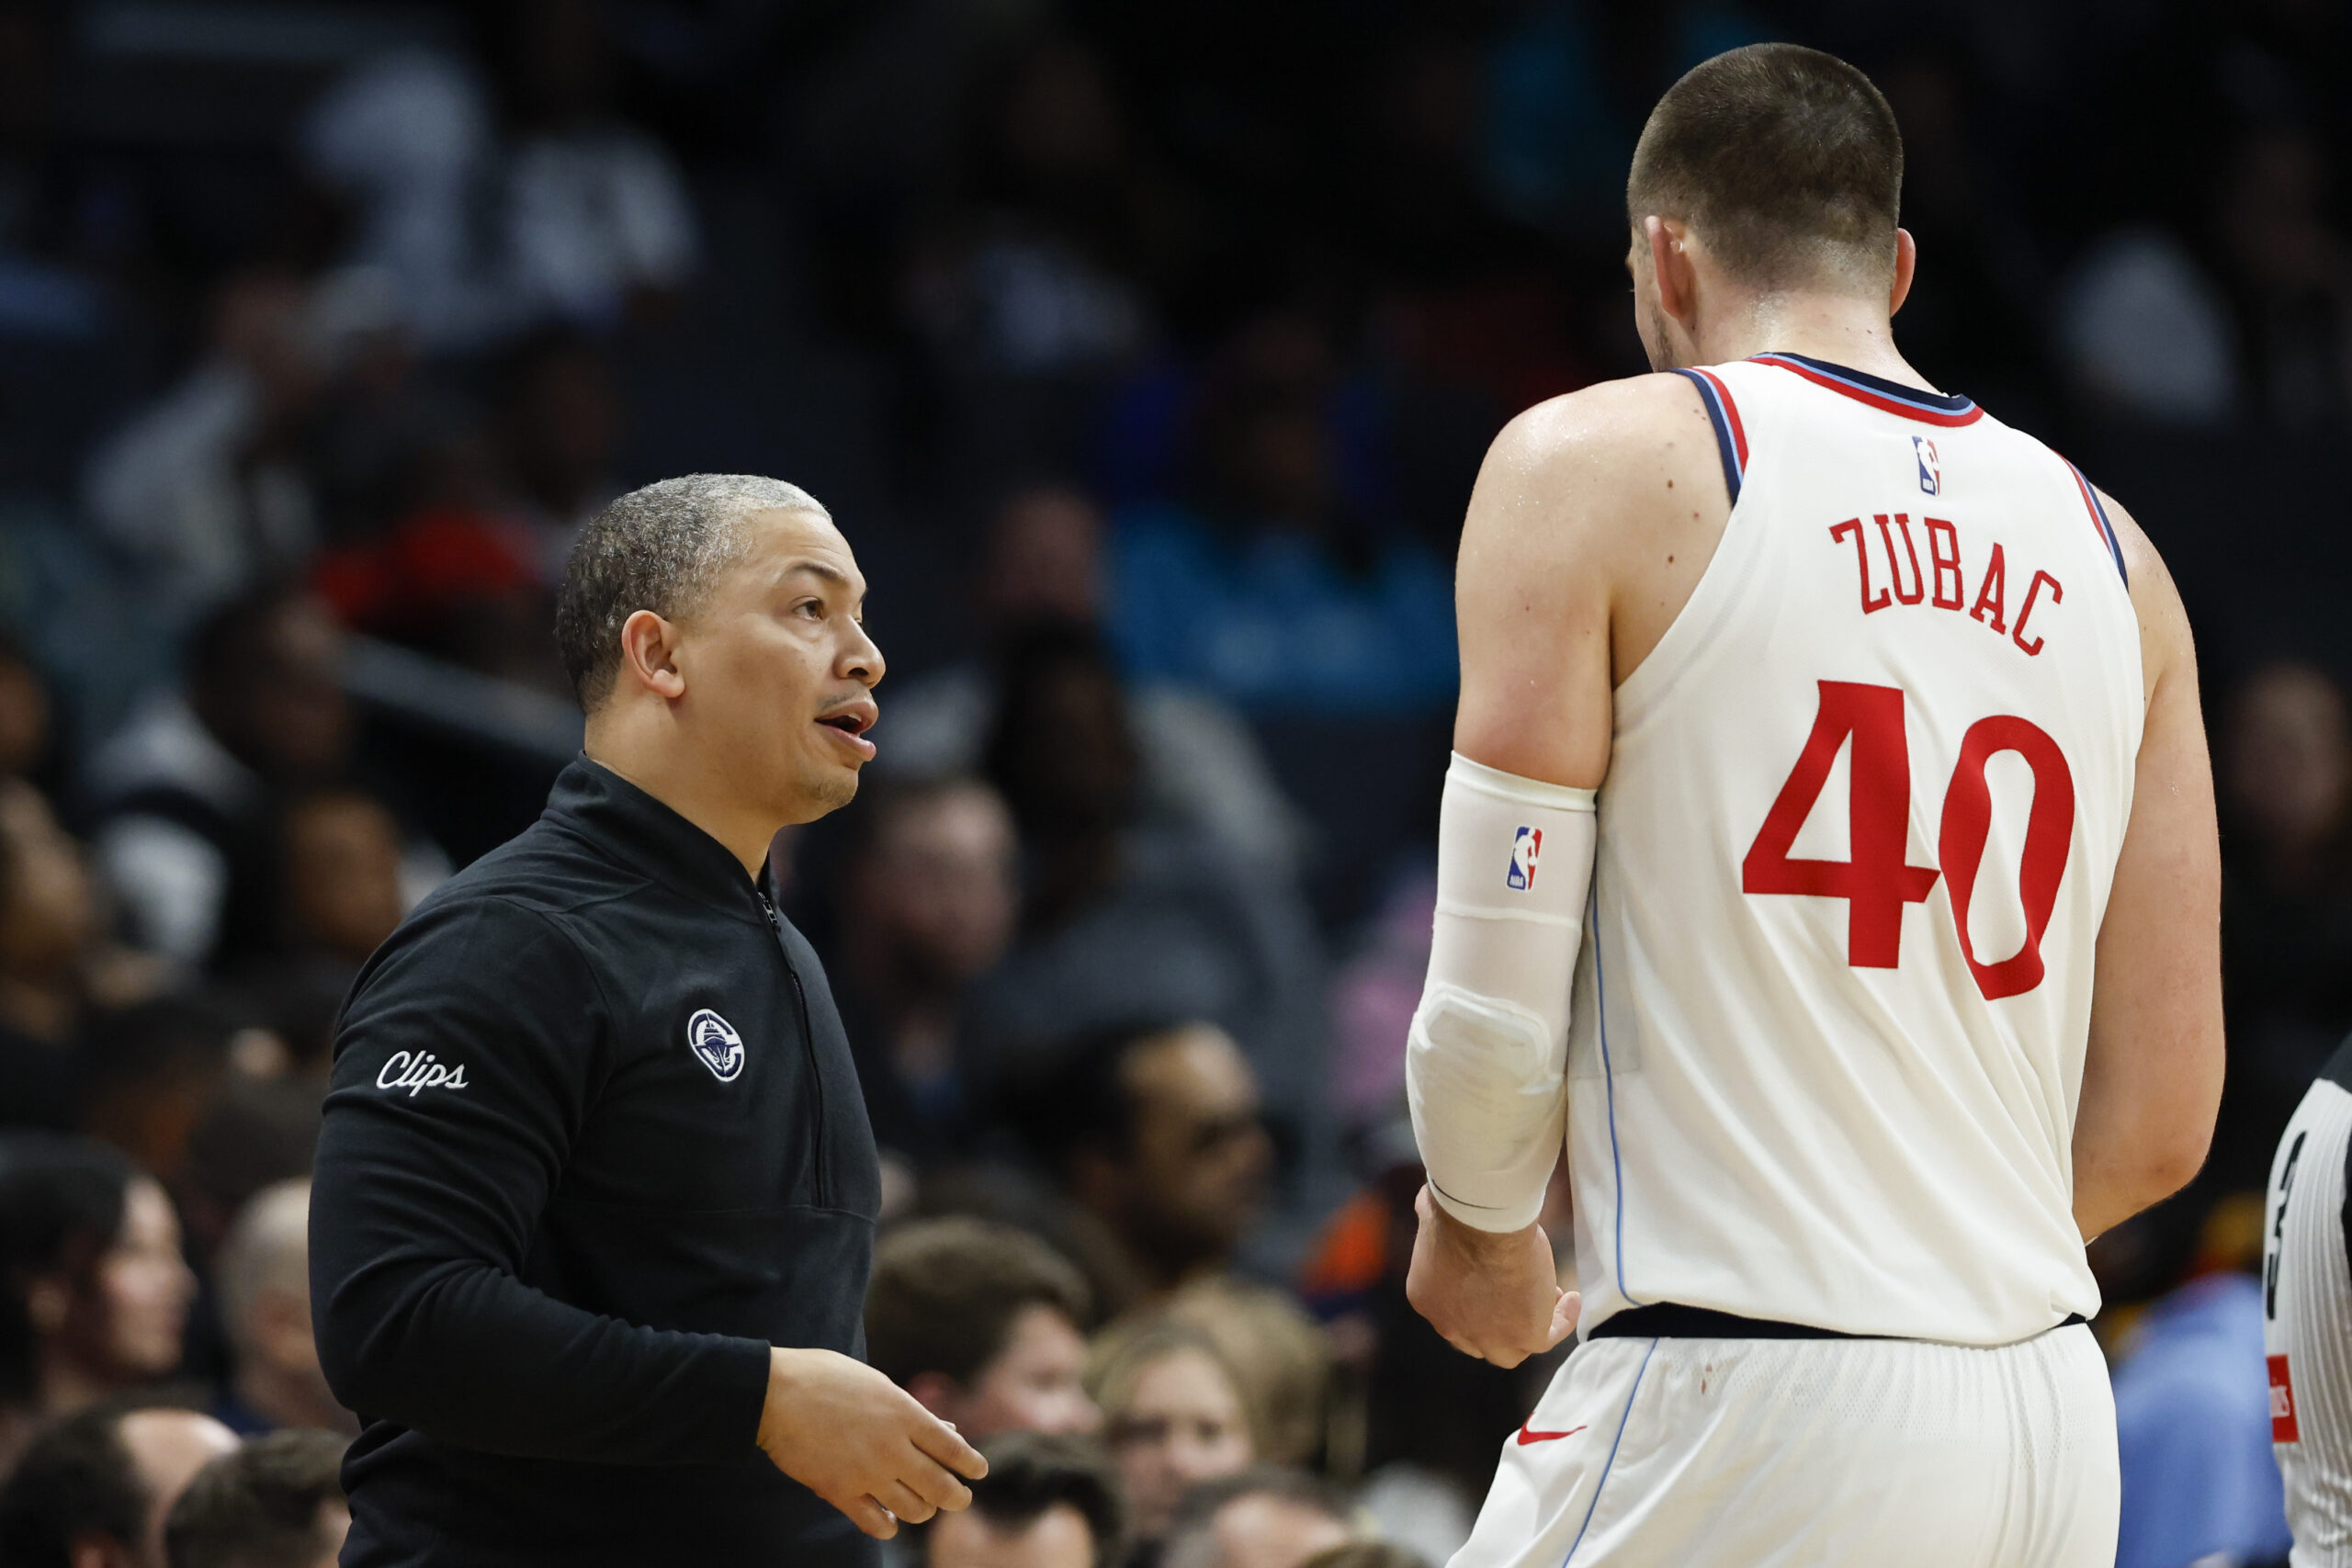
[646, 746]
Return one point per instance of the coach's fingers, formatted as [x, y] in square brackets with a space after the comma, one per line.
[910, 1505]
[868, 1516]
[933, 1482]
[946, 1445]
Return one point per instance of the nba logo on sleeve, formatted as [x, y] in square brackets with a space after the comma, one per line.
[1524, 848]
[1931, 478]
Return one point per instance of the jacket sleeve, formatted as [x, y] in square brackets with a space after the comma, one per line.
[468, 1057]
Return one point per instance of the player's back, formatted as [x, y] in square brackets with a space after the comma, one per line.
[1863, 808]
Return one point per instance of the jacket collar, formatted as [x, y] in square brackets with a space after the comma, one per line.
[632, 828]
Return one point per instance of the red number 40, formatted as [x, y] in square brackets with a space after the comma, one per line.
[1876, 882]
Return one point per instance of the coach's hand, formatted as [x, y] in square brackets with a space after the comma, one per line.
[1495, 1296]
[861, 1442]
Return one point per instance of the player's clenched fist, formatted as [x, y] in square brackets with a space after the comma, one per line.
[1493, 1295]
[862, 1443]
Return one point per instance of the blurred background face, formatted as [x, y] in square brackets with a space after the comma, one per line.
[279, 705]
[775, 651]
[2288, 772]
[1036, 1383]
[1045, 560]
[48, 907]
[1056, 1538]
[940, 886]
[124, 1323]
[342, 874]
[167, 1447]
[1199, 1158]
[1265, 1531]
[1182, 1423]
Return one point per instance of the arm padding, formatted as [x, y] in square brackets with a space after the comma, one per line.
[1486, 1062]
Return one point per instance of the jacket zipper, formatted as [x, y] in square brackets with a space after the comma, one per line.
[808, 1046]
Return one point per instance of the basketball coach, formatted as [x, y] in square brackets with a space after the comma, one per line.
[596, 1196]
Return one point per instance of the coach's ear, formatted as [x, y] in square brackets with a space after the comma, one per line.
[648, 648]
[1906, 265]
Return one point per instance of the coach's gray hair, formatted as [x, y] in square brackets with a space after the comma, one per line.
[657, 548]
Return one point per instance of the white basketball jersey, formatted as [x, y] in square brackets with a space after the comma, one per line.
[2307, 1320]
[1855, 844]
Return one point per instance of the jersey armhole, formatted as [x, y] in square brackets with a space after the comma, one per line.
[1731, 437]
[2099, 521]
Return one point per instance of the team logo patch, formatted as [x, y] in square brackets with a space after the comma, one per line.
[1524, 848]
[2282, 1403]
[1931, 477]
[418, 1071]
[715, 1045]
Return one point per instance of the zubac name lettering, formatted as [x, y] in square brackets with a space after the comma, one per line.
[1891, 574]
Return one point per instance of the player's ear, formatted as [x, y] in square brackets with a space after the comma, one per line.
[649, 649]
[1906, 262]
[1670, 265]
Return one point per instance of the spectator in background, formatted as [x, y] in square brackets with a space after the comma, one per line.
[980, 1322]
[1366, 1554]
[342, 895]
[1157, 1133]
[1174, 1415]
[560, 423]
[1047, 1501]
[94, 1491]
[204, 491]
[94, 1291]
[1122, 920]
[55, 967]
[597, 221]
[2286, 784]
[2291, 273]
[1041, 566]
[263, 1277]
[927, 906]
[1263, 1517]
[155, 1070]
[277, 1502]
[2192, 1412]
[191, 792]
[1281, 1355]
[1270, 585]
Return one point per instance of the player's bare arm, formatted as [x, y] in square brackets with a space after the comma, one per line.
[2152, 1074]
[1593, 517]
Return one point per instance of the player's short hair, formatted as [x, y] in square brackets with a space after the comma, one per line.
[659, 547]
[1786, 161]
[258, 1506]
[1029, 1473]
[944, 1294]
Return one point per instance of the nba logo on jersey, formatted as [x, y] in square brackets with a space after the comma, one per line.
[1524, 847]
[1931, 478]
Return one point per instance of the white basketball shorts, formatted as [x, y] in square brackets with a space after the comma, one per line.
[1697, 1453]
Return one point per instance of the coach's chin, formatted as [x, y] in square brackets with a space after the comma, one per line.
[582, 1280]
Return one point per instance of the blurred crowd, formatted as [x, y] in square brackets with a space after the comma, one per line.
[1145, 352]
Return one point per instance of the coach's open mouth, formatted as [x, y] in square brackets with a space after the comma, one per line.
[852, 722]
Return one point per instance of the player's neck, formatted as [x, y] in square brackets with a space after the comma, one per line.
[1855, 334]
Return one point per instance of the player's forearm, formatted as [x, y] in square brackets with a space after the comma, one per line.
[1486, 1060]
[2123, 1166]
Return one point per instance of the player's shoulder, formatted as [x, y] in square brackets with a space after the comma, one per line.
[1633, 416]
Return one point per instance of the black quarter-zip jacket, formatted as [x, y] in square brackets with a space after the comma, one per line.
[594, 1142]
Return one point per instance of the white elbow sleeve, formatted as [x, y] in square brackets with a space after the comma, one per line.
[1486, 1062]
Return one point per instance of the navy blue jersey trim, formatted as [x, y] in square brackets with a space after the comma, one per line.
[1942, 402]
[1724, 442]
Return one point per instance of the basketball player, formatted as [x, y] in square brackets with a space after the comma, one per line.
[2307, 1318]
[1842, 744]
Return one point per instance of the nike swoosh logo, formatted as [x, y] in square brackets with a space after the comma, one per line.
[1528, 1435]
